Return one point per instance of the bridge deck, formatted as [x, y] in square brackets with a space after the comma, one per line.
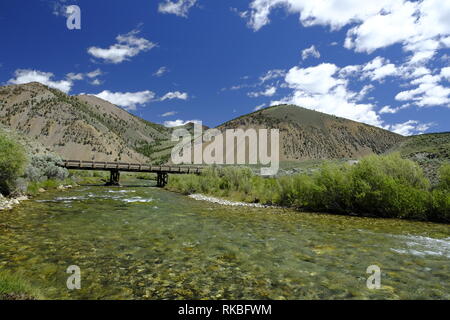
[128, 167]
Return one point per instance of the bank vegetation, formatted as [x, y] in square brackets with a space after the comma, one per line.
[377, 186]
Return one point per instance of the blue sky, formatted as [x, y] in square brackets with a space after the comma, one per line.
[385, 62]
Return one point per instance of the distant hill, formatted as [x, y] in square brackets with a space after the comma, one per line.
[429, 150]
[78, 127]
[88, 128]
[306, 134]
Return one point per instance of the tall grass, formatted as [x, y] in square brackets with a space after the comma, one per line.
[13, 287]
[380, 186]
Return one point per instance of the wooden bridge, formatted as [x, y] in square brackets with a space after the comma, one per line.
[116, 167]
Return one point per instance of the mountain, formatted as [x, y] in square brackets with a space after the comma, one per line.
[306, 134]
[78, 127]
[88, 128]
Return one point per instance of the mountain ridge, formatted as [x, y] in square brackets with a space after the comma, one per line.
[85, 127]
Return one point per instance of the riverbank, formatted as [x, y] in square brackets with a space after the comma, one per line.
[377, 186]
[8, 203]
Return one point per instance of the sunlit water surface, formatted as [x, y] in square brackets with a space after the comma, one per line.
[146, 243]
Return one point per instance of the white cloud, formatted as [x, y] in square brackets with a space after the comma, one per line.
[335, 13]
[96, 82]
[429, 91]
[320, 88]
[168, 114]
[378, 69]
[272, 74]
[310, 52]
[391, 24]
[388, 109]
[445, 73]
[410, 127]
[318, 79]
[127, 46]
[420, 26]
[177, 123]
[175, 95]
[180, 8]
[127, 100]
[269, 92]
[75, 76]
[418, 72]
[94, 74]
[259, 107]
[160, 72]
[26, 75]
[364, 91]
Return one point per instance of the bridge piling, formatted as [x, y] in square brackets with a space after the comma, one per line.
[114, 179]
[161, 179]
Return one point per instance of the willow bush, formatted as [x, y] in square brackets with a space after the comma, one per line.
[12, 163]
[381, 186]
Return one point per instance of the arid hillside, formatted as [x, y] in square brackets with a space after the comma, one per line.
[88, 128]
[77, 127]
[306, 134]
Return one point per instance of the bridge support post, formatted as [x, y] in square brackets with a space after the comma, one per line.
[162, 179]
[114, 178]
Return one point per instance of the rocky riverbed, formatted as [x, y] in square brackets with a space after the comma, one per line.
[9, 203]
[227, 202]
[135, 242]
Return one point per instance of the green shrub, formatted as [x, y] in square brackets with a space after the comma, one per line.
[382, 186]
[12, 163]
[389, 186]
[333, 189]
[444, 177]
[306, 192]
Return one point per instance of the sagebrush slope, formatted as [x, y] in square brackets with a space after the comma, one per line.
[306, 134]
[77, 127]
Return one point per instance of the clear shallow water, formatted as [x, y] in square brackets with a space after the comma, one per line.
[147, 243]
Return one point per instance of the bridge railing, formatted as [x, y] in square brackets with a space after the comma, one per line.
[135, 167]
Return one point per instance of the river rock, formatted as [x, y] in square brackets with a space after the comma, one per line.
[41, 190]
[224, 202]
